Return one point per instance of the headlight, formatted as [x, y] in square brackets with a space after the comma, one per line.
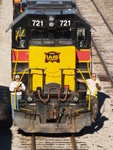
[51, 24]
[75, 98]
[29, 99]
[51, 18]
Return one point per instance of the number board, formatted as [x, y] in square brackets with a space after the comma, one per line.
[37, 23]
[64, 23]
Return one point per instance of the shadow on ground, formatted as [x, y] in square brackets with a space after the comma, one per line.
[5, 119]
[5, 139]
[100, 118]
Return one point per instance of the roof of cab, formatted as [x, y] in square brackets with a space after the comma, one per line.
[32, 10]
[51, 3]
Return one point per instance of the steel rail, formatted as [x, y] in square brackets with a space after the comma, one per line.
[102, 16]
[73, 142]
[97, 49]
[102, 60]
[33, 143]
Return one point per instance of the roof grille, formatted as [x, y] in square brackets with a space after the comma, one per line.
[51, 4]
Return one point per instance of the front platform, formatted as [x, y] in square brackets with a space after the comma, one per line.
[73, 124]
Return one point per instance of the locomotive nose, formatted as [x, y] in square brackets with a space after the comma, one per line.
[54, 61]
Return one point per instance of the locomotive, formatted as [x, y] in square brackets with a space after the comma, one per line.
[51, 48]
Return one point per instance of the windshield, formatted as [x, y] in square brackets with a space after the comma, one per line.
[51, 35]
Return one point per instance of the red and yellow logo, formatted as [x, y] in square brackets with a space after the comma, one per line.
[52, 57]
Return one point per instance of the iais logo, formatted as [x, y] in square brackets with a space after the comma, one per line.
[52, 57]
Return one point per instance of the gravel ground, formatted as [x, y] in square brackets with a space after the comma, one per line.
[5, 42]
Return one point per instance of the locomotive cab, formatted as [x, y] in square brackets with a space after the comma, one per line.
[51, 49]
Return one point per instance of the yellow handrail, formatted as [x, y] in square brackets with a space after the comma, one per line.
[15, 66]
[22, 32]
[19, 83]
[14, 77]
[15, 99]
[22, 76]
[17, 34]
[87, 87]
[11, 98]
[88, 69]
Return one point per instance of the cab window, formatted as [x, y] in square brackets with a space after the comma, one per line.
[19, 37]
[81, 38]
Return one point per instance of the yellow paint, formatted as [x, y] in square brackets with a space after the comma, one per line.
[89, 69]
[20, 50]
[83, 71]
[15, 66]
[85, 50]
[23, 31]
[52, 71]
[20, 61]
[83, 61]
[17, 34]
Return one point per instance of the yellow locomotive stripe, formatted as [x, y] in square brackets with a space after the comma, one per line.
[19, 61]
[83, 61]
[84, 50]
[17, 1]
[20, 50]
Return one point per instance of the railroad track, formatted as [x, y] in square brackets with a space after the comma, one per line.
[33, 142]
[40, 142]
[106, 7]
[74, 145]
[106, 22]
[46, 142]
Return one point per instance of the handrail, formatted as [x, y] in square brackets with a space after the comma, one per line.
[22, 32]
[17, 34]
[22, 76]
[14, 77]
[25, 72]
[19, 83]
[15, 66]
[87, 87]
[88, 69]
[15, 99]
